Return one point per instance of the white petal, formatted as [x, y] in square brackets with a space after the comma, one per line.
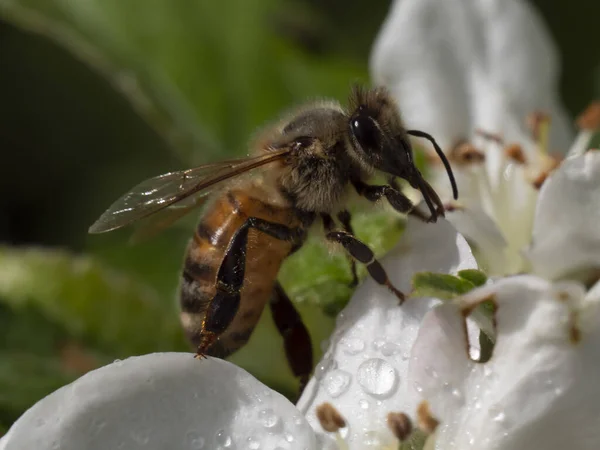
[481, 231]
[364, 372]
[566, 231]
[160, 401]
[459, 65]
[539, 389]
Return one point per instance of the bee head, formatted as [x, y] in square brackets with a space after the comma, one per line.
[378, 140]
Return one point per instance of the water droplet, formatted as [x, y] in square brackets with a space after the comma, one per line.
[377, 377]
[289, 437]
[499, 417]
[371, 439]
[456, 394]
[352, 346]
[487, 370]
[253, 443]
[405, 356]
[558, 391]
[418, 387]
[378, 343]
[336, 382]
[323, 367]
[477, 404]
[223, 438]
[194, 441]
[268, 418]
[363, 403]
[389, 348]
[140, 436]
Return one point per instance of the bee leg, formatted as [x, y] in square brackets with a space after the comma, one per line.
[344, 217]
[230, 278]
[364, 254]
[296, 340]
[329, 225]
[394, 196]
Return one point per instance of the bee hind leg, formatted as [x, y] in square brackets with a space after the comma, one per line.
[361, 252]
[296, 339]
[230, 279]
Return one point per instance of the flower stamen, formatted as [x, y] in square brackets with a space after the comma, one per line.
[515, 153]
[589, 124]
[425, 420]
[400, 425]
[332, 421]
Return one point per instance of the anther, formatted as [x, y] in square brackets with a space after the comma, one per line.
[425, 419]
[466, 153]
[590, 118]
[400, 425]
[330, 418]
[515, 152]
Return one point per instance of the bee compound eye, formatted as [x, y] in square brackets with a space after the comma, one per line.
[365, 131]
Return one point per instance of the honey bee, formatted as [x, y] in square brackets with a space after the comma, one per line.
[311, 160]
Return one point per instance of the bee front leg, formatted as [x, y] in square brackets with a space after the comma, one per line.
[361, 251]
[394, 196]
[296, 339]
[230, 279]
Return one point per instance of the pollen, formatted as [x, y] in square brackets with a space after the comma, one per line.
[515, 152]
[465, 153]
[330, 418]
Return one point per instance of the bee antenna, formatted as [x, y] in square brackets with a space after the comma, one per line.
[438, 150]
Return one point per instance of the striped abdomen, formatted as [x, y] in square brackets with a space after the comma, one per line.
[205, 253]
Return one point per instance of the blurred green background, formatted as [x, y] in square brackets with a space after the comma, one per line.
[97, 95]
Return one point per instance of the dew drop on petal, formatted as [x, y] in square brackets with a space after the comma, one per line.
[389, 349]
[456, 394]
[353, 346]
[253, 443]
[371, 439]
[499, 417]
[377, 377]
[418, 387]
[378, 343]
[324, 366]
[289, 437]
[336, 382]
[363, 403]
[194, 441]
[223, 438]
[268, 418]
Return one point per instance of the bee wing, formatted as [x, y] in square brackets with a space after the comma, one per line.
[153, 224]
[179, 192]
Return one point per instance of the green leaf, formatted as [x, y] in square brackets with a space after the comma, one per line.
[439, 285]
[205, 74]
[89, 301]
[24, 379]
[477, 277]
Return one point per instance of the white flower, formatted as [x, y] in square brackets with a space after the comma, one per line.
[162, 401]
[364, 373]
[540, 388]
[470, 72]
